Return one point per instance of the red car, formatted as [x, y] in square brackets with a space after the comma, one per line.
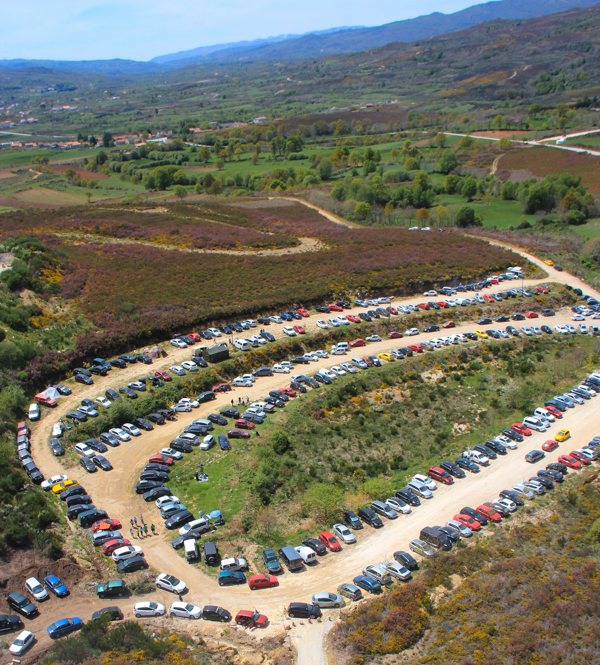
[416, 348]
[303, 312]
[557, 413]
[394, 335]
[162, 459]
[251, 618]
[440, 475]
[488, 513]
[300, 330]
[550, 445]
[44, 400]
[449, 324]
[238, 434]
[531, 315]
[106, 525]
[195, 336]
[521, 429]
[163, 375]
[443, 303]
[330, 541]
[392, 310]
[357, 342]
[353, 318]
[582, 458]
[262, 581]
[242, 423]
[468, 521]
[221, 388]
[423, 305]
[111, 545]
[368, 361]
[335, 308]
[290, 392]
[571, 462]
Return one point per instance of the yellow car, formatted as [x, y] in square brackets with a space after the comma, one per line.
[65, 484]
[563, 435]
[549, 262]
[481, 334]
[386, 356]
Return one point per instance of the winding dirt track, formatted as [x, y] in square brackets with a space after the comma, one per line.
[114, 492]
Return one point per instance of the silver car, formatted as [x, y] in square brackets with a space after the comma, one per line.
[325, 599]
[398, 505]
[459, 528]
[420, 489]
[397, 570]
[379, 573]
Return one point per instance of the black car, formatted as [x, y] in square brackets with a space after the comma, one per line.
[82, 371]
[34, 474]
[114, 611]
[467, 464]
[199, 360]
[154, 475]
[76, 415]
[157, 466]
[144, 486]
[352, 520]
[79, 508]
[156, 493]
[300, 360]
[453, 469]
[22, 605]
[167, 414]
[156, 418]
[451, 535]
[217, 419]
[512, 496]
[364, 317]
[87, 464]
[102, 463]
[295, 385]
[548, 312]
[432, 328]
[511, 434]
[181, 446]
[304, 611]
[143, 358]
[263, 371]
[485, 321]
[206, 335]
[323, 310]
[518, 317]
[206, 396]
[110, 439]
[544, 480]
[229, 413]
[373, 314]
[72, 491]
[10, 622]
[262, 320]
[236, 327]
[277, 394]
[406, 559]
[179, 519]
[119, 363]
[322, 378]
[511, 330]
[484, 450]
[127, 391]
[128, 358]
[553, 474]
[315, 545]
[472, 336]
[501, 319]
[254, 417]
[132, 564]
[63, 390]
[96, 445]
[405, 351]
[56, 447]
[144, 424]
[99, 370]
[268, 336]
[408, 497]
[78, 498]
[534, 456]
[368, 516]
[112, 395]
[199, 429]
[496, 446]
[214, 613]
[471, 512]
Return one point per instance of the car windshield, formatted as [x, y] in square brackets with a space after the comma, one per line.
[189, 607]
[37, 588]
[152, 606]
[255, 616]
[221, 611]
[19, 642]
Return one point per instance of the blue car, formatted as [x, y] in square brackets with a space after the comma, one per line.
[55, 585]
[367, 583]
[231, 577]
[64, 627]
[224, 442]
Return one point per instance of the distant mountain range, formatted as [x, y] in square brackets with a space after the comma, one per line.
[317, 44]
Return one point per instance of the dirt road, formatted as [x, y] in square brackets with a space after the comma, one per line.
[113, 491]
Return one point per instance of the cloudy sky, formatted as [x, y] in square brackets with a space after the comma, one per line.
[143, 29]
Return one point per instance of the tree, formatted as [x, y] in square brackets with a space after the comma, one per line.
[466, 217]
[180, 192]
[280, 442]
[323, 502]
[447, 162]
[378, 489]
[466, 143]
[89, 196]
[423, 215]
[394, 154]
[504, 143]
[220, 164]
[325, 169]
[107, 140]
[239, 151]
[440, 139]
[362, 210]
[534, 109]
[469, 188]
[204, 154]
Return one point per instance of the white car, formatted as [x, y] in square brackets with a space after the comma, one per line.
[57, 429]
[411, 331]
[322, 324]
[544, 414]
[185, 610]
[189, 365]
[476, 456]
[120, 433]
[342, 320]
[338, 371]
[177, 369]
[373, 338]
[233, 564]
[214, 332]
[180, 344]
[21, 643]
[587, 390]
[281, 369]
[329, 374]
[241, 383]
[181, 408]
[190, 402]
[505, 441]
[207, 442]
[577, 317]
[122, 553]
[505, 504]
[166, 499]
[34, 412]
[103, 402]
[333, 322]
[321, 353]
[130, 428]
[170, 583]
[526, 331]
[147, 608]
[338, 351]
[561, 329]
[54, 480]
[426, 480]
[397, 570]
[276, 319]
[347, 367]
[430, 294]
[398, 505]
[194, 524]
[82, 449]
[534, 424]
[34, 587]
[289, 331]
[536, 330]
[344, 534]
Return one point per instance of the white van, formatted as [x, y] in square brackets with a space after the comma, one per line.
[534, 423]
[242, 344]
[191, 549]
[34, 412]
[308, 555]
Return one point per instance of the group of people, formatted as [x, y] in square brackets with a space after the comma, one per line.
[241, 401]
[141, 529]
[200, 476]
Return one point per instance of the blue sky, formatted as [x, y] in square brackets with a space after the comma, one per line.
[143, 29]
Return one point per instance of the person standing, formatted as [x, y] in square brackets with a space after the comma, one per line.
[131, 532]
[141, 519]
[201, 469]
[135, 522]
[152, 529]
[145, 530]
[195, 475]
